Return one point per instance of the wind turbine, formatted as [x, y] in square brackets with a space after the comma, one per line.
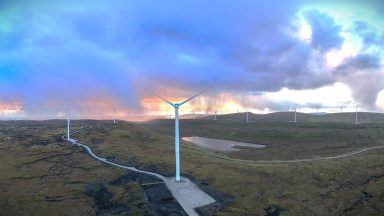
[68, 125]
[215, 115]
[356, 116]
[247, 117]
[176, 106]
[295, 113]
[114, 115]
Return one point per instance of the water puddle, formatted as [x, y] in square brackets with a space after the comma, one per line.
[219, 145]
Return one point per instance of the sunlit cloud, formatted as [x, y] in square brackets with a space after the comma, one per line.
[380, 100]
[10, 108]
[305, 31]
[334, 95]
[350, 48]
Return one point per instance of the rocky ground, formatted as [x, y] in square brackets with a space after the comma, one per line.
[42, 175]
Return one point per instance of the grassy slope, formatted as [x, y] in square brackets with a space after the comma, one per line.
[338, 187]
[346, 117]
[43, 176]
[285, 141]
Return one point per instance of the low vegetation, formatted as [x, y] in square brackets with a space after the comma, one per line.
[45, 176]
[285, 141]
[41, 175]
[347, 186]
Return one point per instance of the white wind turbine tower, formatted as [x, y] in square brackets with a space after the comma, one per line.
[176, 106]
[114, 115]
[68, 125]
[247, 116]
[215, 115]
[356, 122]
[295, 114]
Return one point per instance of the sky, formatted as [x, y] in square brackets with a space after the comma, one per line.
[260, 56]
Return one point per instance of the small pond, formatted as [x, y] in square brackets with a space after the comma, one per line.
[219, 145]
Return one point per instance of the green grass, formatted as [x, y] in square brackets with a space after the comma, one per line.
[347, 186]
[41, 176]
[334, 187]
[285, 141]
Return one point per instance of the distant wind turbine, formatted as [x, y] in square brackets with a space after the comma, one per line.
[114, 115]
[356, 116]
[68, 124]
[176, 106]
[215, 115]
[295, 113]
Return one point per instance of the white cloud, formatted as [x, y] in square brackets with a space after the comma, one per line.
[350, 48]
[332, 95]
[305, 31]
[380, 100]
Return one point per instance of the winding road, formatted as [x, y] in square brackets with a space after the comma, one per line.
[189, 195]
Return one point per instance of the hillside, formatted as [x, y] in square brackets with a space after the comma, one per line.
[42, 175]
[347, 117]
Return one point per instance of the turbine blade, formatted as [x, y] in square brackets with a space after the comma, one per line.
[166, 101]
[194, 96]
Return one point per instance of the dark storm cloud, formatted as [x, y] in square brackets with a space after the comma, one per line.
[369, 34]
[361, 61]
[364, 75]
[65, 51]
[364, 72]
[325, 32]
[365, 86]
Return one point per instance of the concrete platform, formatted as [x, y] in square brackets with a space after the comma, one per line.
[189, 195]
